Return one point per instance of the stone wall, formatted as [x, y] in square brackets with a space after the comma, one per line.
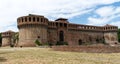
[28, 35]
[34, 27]
[52, 36]
[7, 38]
[6, 41]
[31, 28]
[74, 37]
[88, 49]
[111, 38]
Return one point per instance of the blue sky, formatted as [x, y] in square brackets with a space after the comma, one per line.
[89, 12]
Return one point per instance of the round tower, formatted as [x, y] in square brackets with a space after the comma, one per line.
[32, 28]
[7, 38]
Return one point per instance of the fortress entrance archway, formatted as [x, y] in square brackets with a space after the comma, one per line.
[80, 42]
[61, 36]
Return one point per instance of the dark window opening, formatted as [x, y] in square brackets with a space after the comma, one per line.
[22, 19]
[61, 36]
[38, 37]
[65, 25]
[115, 42]
[41, 20]
[60, 24]
[33, 18]
[56, 24]
[25, 19]
[97, 40]
[80, 42]
[37, 19]
[29, 18]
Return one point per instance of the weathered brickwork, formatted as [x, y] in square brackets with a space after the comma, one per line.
[89, 49]
[7, 38]
[34, 27]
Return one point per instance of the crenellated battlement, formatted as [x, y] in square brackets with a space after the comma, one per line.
[32, 20]
[60, 22]
[53, 24]
[7, 34]
[110, 28]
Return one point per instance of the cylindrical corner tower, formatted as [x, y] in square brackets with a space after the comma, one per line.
[31, 28]
[7, 38]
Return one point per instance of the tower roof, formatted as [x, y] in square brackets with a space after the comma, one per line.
[64, 20]
[35, 15]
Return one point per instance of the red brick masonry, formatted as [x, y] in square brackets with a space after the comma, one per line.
[88, 49]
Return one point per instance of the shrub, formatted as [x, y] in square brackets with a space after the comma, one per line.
[65, 43]
[61, 43]
[38, 42]
[48, 44]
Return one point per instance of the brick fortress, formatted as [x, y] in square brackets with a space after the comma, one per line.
[34, 27]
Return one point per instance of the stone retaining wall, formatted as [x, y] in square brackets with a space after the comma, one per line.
[88, 49]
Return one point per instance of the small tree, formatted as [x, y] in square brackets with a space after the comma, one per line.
[14, 39]
[38, 42]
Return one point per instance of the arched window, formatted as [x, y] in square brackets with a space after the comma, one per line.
[61, 36]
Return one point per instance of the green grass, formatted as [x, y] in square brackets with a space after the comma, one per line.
[48, 56]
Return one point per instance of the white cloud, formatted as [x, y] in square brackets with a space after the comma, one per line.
[106, 15]
[97, 21]
[105, 11]
[11, 9]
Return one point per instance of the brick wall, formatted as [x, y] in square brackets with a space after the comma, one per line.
[88, 49]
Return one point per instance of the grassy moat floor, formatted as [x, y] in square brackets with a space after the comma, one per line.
[48, 56]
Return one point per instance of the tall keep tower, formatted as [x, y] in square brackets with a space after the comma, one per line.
[7, 38]
[32, 27]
